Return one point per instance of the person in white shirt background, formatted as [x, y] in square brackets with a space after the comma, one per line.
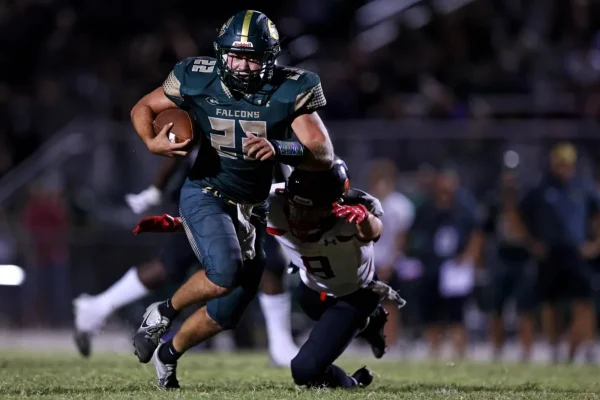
[398, 217]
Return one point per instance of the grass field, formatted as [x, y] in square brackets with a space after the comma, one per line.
[247, 376]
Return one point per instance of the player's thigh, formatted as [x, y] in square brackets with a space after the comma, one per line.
[211, 232]
[177, 257]
[334, 331]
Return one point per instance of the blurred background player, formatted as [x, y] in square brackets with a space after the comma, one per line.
[511, 273]
[176, 260]
[444, 237]
[558, 213]
[223, 200]
[397, 219]
[275, 300]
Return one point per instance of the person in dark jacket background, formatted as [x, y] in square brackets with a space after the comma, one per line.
[557, 214]
[512, 273]
[445, 230]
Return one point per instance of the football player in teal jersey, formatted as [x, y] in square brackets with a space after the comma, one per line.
[246, 108]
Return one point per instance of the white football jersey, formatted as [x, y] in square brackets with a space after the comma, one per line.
[339, 263]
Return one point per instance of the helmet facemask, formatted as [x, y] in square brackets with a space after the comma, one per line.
[246, 81]
[306, 221]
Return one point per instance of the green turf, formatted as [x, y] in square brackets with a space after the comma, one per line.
[247, 376]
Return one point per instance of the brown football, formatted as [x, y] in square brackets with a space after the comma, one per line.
[183, 124]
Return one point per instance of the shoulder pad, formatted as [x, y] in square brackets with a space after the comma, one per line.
[310, 97]
[304, 87]
[189, 77]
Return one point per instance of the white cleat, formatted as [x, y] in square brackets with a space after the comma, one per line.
[166, 373]
[90, 316]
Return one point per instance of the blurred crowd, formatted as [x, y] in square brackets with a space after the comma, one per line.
[531, 252]
[64, 58]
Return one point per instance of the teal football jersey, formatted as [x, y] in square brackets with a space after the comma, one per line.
[224, 119]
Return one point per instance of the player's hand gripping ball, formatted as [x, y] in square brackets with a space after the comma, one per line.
[174, 131]
[354, 214]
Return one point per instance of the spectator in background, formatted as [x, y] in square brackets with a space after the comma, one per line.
[512, 276]
[424, 176]
[557, 214]
[445, 236]
[47, 291]
[397, 218]
[594, 234]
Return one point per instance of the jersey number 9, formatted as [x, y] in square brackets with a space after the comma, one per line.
[318, 266]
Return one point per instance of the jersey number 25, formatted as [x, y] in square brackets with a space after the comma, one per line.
[223, 137]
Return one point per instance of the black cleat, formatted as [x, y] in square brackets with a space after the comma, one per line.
[83, 343]
[373, 333]
[363, 377]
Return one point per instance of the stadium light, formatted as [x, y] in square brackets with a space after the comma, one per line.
[11, 275]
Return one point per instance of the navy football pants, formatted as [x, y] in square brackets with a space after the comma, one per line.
[338, 322]
[210, 223]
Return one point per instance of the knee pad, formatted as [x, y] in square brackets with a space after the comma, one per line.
[226, 322]
[227, 310]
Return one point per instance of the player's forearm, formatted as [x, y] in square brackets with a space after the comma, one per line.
[142, 117]
[317, 147]
[318, 157]
[166, 170]
[370, 228]
[313, 157]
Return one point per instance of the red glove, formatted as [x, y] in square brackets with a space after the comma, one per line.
[353, 214]
[162, 223]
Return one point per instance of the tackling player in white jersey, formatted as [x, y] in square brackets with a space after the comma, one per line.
[327, 229]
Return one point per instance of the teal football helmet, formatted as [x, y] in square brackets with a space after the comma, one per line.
[253, 33]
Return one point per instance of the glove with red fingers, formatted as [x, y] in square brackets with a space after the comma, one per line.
[354, 214]
[156, 223]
